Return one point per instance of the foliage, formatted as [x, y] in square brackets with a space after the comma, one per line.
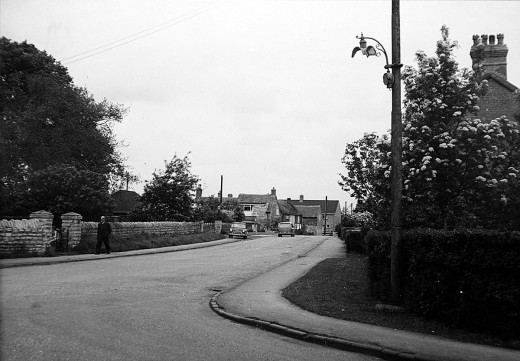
[210, 210]
[232, 206]
[169, 195]
[46, 121]
[467, 278]
[457, 171]
[64, 188]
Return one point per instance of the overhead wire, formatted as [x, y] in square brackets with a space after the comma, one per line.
[141, 34]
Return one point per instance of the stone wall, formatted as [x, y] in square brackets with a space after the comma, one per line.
[34, 235]
[127, 229]
[27, 236]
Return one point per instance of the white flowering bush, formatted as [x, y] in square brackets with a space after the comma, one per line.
[457, 171]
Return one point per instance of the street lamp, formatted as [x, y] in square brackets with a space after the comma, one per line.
[393, 82]
[388, 78]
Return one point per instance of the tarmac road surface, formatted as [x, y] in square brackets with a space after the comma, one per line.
[147, 307]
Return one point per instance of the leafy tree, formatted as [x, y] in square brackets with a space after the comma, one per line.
[169, 196]
[457, 171]
[81, 191]
[237, 211]
[46, 120]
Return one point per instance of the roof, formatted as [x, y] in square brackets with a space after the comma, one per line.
[254, 198]
[286, 207]
[125, 201]
[332, 205]
[308, 211]
[502, 81]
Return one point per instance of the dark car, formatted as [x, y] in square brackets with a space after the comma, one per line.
[238, 229]
[285, 229]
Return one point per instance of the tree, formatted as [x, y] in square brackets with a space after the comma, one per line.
[457, 170]
[46, 120]
[169, 195]
[81, 191]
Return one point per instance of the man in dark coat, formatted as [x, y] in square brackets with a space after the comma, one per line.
[103, 231]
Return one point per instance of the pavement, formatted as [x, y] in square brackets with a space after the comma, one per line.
[258, 302]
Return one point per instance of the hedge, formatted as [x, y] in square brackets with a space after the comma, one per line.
[469, 278]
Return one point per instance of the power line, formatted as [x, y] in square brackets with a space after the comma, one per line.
[141, 34]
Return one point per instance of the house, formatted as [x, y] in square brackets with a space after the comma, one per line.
[489, 58]
[125, 202]
[330, 210]
[289, 213]
[259, 209]
[312, 218]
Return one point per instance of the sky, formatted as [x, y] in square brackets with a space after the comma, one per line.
[263, 93]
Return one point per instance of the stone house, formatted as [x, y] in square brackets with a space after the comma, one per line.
[289, 213]
[259, 209]
[489, 58]
[330, 210]
[312, 218]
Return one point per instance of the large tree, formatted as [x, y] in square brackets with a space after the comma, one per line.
[169, 195]
[46, 120]
[458, 171]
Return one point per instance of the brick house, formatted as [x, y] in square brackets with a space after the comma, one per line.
[330, 211]
[489, 58]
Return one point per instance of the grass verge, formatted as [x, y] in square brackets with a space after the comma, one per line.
[145, 241]
[338, 288]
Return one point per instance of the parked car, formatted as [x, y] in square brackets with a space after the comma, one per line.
[238, 229]
[285, 229]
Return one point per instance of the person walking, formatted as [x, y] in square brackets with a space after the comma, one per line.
[103, 231]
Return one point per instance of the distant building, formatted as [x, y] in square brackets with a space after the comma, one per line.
[489, 58]
[289, 213]
[259, 209]
[330, 210]
[312, 218]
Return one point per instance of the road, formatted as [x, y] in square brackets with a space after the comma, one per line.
[149, 307]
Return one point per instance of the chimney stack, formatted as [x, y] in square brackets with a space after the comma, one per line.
[301, 197]
[489, 57]
[273, 191]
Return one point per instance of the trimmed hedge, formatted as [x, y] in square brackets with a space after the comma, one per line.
[354, 238]
[469, 278]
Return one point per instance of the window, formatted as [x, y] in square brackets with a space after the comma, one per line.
[248, 207]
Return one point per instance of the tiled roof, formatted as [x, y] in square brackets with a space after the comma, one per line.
[308, 211]
[254, 198]
[502, 81]
[287, 207]
[332, 205]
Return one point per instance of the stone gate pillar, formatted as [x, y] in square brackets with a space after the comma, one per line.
[45, 218]
[71, 223]
[218, 227]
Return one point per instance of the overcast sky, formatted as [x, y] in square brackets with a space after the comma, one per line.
[264, 93]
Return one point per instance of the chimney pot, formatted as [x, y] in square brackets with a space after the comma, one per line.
[492, 40]
[301, 197]
[230, 195]
[500, 38]
[484, 39]
[475, 39]
[273, 191]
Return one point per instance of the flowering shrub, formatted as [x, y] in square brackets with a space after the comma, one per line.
[457, 171]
